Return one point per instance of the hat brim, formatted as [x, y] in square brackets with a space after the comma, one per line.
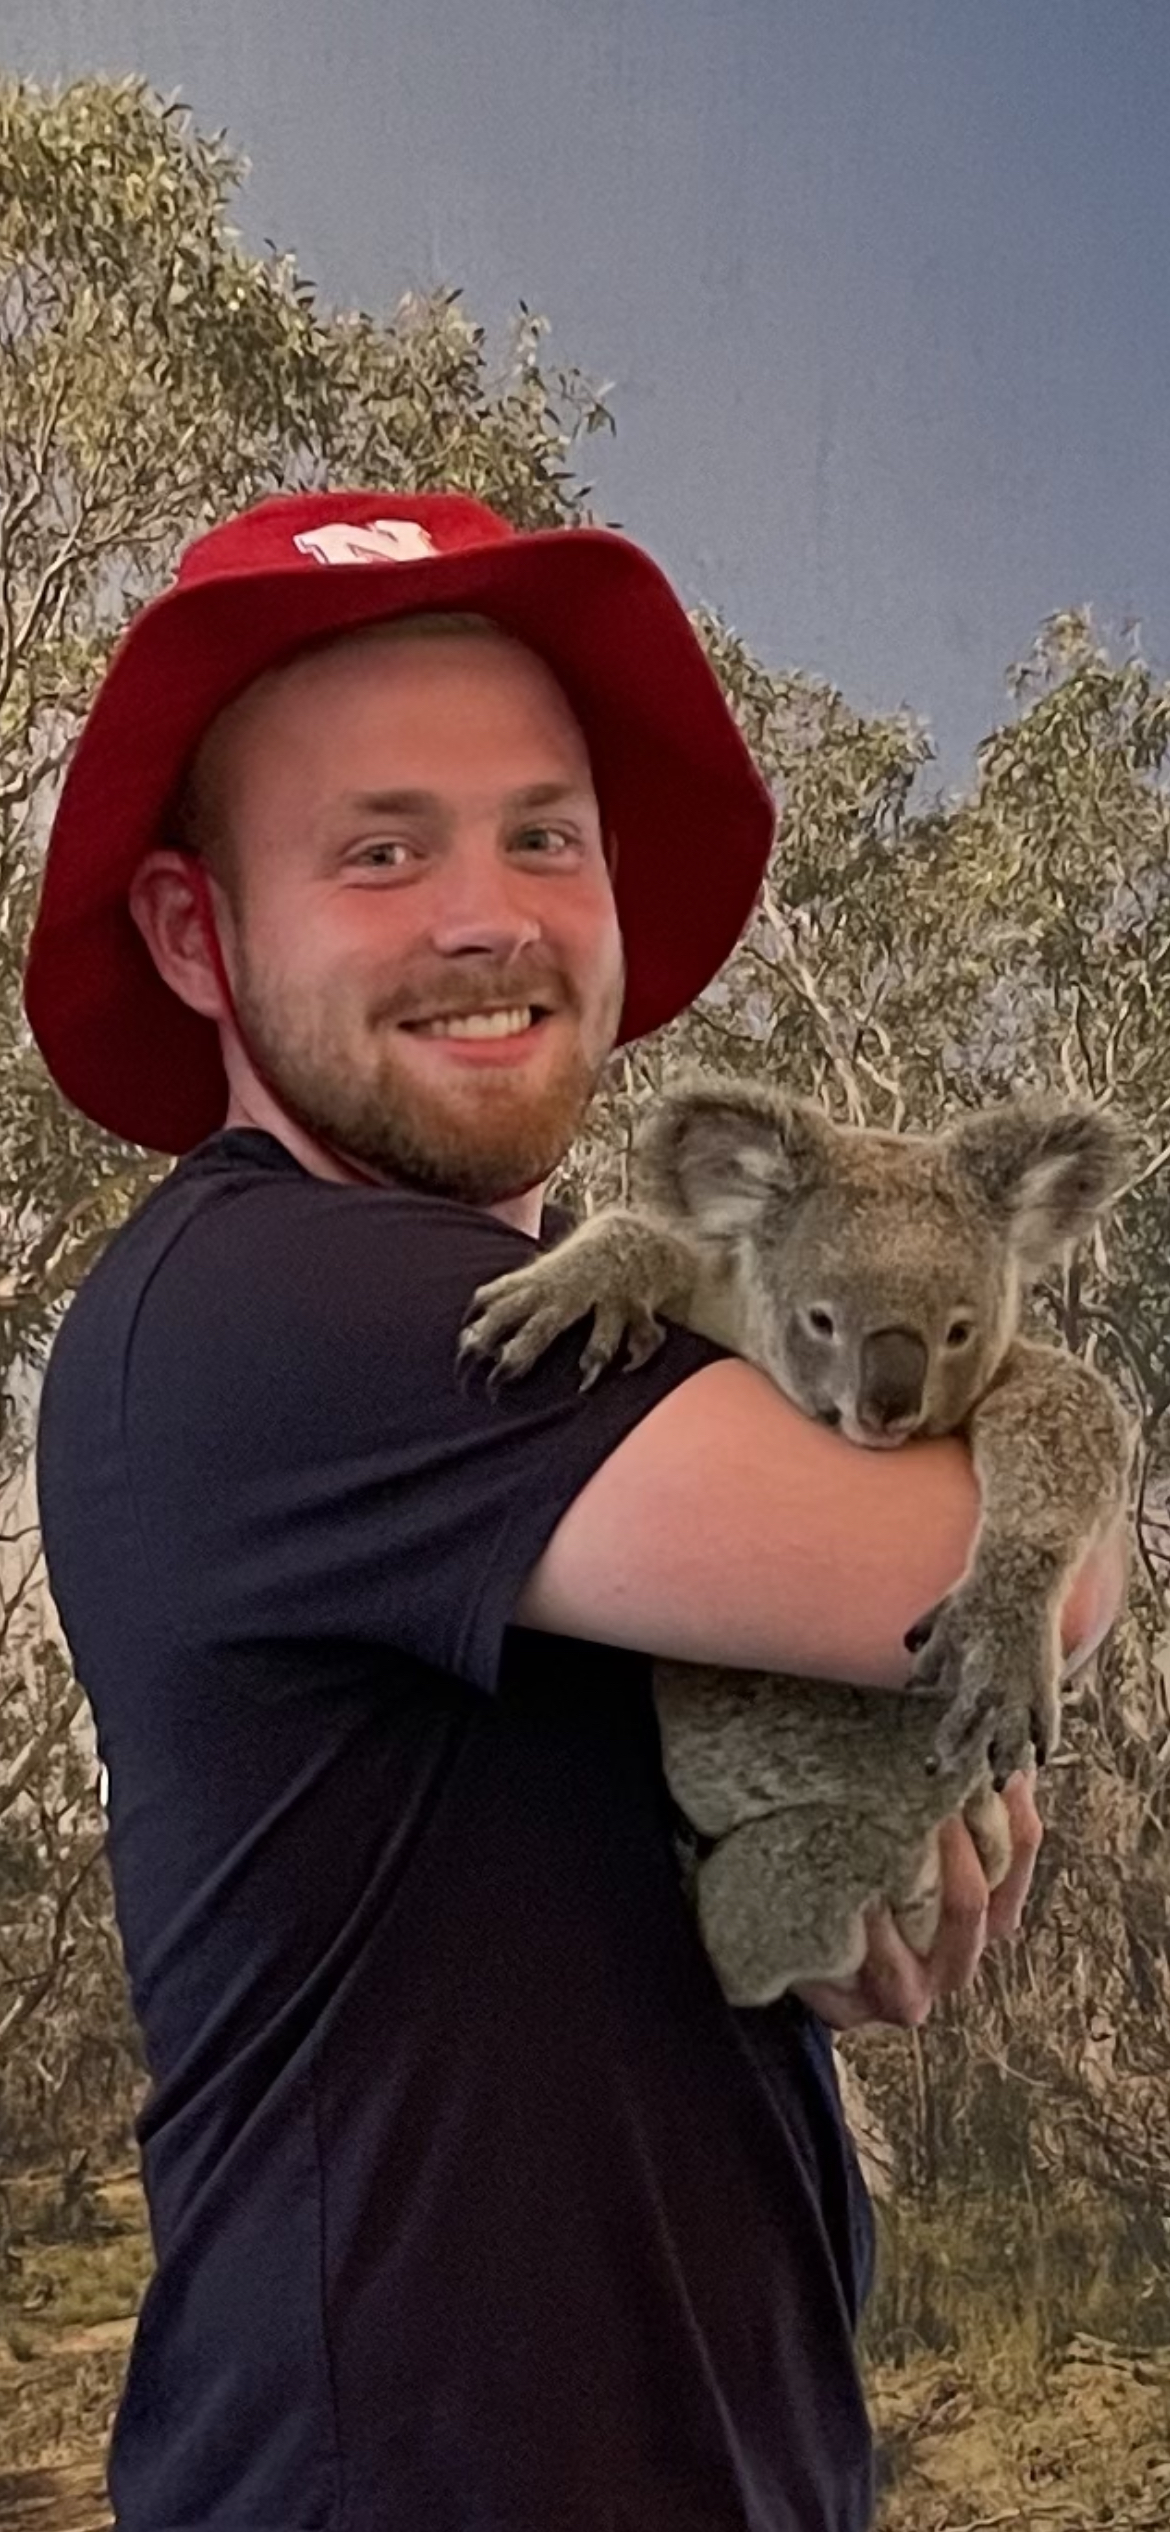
[691, 815]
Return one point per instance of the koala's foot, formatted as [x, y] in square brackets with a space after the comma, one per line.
[769, 1915]
[1000, 1668]
[619, 1268]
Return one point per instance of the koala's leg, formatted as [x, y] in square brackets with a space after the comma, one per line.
[777, 1906]
[781, 1900]
[817, 1800]
[625, 1268]
[914, 1895]
[1052, 1449]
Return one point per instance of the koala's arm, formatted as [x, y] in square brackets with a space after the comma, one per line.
[1052, 1449]
[627, 1270]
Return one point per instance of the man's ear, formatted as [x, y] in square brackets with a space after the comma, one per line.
[164, 907]
[721, 1153]
[1045, 1174]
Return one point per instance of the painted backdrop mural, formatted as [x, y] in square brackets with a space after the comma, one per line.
[915, 952]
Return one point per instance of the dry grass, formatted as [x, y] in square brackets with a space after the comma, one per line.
[962, 2273]
[1019, 2370]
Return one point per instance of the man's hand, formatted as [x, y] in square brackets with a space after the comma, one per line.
[894, 1984]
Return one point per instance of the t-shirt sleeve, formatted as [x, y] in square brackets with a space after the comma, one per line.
[307, 1457]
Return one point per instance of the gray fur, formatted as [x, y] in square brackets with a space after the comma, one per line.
[877, 1279]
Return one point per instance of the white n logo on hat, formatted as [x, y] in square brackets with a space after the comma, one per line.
[376, 541]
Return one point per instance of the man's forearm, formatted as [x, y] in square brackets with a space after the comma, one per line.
[728, 1528]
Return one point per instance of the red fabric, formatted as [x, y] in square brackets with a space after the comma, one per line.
[692, 817]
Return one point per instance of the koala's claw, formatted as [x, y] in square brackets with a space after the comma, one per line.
[514, 1320]
[508, 1330]
[643, 1335]
[967, 1730]
[964, 1649]
[946, 1648]
[918, 1636]
[1008, 1737]
[1025, 1736]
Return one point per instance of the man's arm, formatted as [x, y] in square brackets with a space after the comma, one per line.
[728, 1528]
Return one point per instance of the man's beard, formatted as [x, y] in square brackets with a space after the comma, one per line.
[503, 1137]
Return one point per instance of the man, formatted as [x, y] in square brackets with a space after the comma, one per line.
[475, 2207]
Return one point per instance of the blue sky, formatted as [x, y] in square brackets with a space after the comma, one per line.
[882, 285]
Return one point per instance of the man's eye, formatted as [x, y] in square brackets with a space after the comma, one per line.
[385, 852]
[547, 841]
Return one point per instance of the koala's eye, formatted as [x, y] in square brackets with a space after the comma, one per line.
[821, 1322]
[960, 1332]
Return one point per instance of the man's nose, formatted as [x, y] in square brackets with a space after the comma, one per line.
[479, 910]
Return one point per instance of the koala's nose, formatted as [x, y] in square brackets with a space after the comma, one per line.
[893, 1379]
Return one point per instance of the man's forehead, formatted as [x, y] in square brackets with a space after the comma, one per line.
[382, 662]
[287, 725]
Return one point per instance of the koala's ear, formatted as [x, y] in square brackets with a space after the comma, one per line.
[720, 1153]
[1044, 1173]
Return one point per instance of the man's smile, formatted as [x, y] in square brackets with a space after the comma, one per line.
[501, 1035]
[505, 1022]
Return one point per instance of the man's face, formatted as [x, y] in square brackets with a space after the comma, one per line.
[423, 942]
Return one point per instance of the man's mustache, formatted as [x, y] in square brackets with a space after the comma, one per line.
[451, 995]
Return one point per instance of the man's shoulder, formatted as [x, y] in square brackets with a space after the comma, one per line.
[240, 1219]
[242, 1273]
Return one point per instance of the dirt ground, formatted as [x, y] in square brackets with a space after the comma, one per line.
[967, 2445]
[958, 2455]
[55, 2409]
[66, 2500]
[1085, 2449]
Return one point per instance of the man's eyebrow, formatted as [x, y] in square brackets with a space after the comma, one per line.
[415, 804]
[390, 804]
[549, 795]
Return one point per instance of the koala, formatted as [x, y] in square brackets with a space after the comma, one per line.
[877, 1278]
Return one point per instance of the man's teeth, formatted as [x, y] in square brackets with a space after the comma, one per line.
[478, 1024]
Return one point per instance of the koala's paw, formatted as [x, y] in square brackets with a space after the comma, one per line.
[1001, 1680]
[514, 1320]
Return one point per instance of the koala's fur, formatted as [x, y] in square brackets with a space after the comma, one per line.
[877, 1279]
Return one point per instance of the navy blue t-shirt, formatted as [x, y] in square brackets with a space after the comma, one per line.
[475, 2207]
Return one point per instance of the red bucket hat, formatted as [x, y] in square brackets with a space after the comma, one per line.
[692, 816]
